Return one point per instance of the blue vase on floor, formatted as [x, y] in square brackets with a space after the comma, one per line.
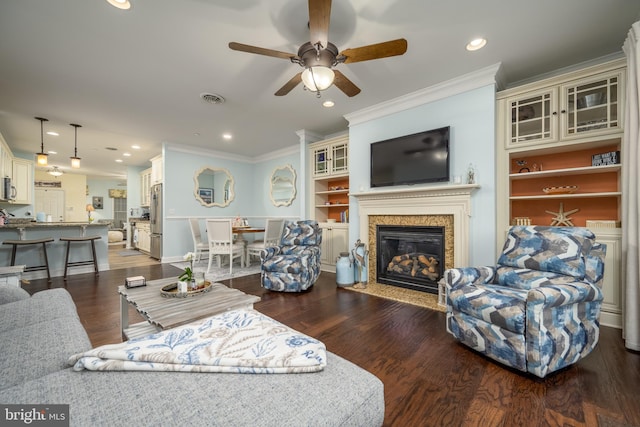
[344, 270]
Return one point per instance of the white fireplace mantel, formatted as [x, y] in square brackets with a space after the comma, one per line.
[452, 200]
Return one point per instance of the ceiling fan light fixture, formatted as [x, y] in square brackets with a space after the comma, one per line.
[318, 78]
[120, 4]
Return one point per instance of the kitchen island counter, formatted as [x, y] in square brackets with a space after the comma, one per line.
[56, 250]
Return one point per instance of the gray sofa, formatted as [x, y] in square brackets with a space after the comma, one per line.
[39, 333]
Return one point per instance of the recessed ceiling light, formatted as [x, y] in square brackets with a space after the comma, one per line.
[476, 44]
[126, 154]
[212, 98]
[118, 160]
[52, 152]
[227, 136]
[135, 147]
[328, 103]
[120, 4]
[52, 133]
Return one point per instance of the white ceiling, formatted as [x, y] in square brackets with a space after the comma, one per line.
[135, 77]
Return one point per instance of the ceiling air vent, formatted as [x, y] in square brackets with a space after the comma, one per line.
[212, 98]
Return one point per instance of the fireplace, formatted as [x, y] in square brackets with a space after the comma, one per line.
[410, 256]
[447, 206]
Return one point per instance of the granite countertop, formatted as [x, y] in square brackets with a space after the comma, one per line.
[31, 224]
[134, 220]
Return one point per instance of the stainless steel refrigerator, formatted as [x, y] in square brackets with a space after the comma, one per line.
[155, 218]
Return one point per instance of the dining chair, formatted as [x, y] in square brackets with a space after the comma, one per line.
[220, 239]
[272, 233]
[199, 245]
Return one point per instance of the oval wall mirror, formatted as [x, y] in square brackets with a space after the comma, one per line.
[283, 186]
[213, 187]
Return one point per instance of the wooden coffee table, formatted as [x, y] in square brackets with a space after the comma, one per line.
[163, 313]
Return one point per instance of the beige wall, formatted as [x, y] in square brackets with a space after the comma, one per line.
[75, 193]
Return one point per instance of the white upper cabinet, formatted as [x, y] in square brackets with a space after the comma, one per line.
[579, 108]
[330, 157]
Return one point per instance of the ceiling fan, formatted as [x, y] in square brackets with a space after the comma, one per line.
[318, 56]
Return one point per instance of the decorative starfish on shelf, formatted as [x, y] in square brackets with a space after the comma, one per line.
[562, 217]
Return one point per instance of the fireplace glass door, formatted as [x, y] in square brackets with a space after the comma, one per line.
[410, 256]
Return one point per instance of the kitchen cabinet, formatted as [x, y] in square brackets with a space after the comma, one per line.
[157, 170]
[549, 135]
[23, 181]
[585, 104]
[335, 239]
[6, 160]
[143, 231]
[145, 187]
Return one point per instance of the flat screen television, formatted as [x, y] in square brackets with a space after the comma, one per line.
[411, 159]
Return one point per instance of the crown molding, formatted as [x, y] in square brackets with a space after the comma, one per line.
[235, 157]
[477, 79]
[189, 149]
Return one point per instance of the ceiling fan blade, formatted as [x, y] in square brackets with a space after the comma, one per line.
[375, 51]
[319, 15]
[289, 85]
[261, 51]
[345, 85]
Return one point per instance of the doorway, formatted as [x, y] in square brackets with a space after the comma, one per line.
[51, 202]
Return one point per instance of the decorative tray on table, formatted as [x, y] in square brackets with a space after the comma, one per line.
[565, 189]
[171, 290]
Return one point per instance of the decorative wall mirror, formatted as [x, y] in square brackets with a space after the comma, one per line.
[283, 186]
[213, 187]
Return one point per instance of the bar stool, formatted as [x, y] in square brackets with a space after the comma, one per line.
[93, 260]
[43, 242]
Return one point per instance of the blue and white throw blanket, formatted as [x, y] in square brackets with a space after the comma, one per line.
[238, 341]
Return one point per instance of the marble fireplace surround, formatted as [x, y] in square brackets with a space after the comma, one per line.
[444, 205]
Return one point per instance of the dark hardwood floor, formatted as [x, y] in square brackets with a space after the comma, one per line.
[430, 379]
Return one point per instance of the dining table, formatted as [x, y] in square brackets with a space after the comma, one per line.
[240, 231]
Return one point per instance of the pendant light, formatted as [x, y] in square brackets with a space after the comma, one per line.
[75, 160]
[42, 156]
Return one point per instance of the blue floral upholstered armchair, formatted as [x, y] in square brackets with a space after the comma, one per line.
[538, 310]
[294, 264]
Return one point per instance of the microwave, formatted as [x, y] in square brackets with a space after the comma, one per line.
[8, 190]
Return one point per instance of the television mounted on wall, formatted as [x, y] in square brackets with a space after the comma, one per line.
[411, 159]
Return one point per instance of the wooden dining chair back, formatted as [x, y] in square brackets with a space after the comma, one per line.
[220, 239]
[199, 244]
[272, 234]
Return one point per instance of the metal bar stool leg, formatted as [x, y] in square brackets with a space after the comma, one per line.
[13, 254]
[95, 258]
[66, 261]
[46, 260]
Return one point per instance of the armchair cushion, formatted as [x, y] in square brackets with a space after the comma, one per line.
[498, 305]
[553, 249]
[301, 233]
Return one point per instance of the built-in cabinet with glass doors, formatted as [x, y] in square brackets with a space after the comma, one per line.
[559, 160]
[329, 200]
